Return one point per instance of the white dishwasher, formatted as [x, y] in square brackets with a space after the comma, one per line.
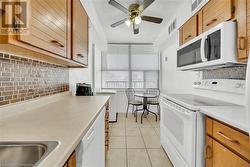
[91, 150]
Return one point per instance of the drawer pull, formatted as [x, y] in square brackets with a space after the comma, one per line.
[188, 37]
[241, 43]
[57, 43]
[228, 138]
[208, 152]
[80, 55]
[211, 22]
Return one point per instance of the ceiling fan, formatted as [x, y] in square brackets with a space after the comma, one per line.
[135, 14]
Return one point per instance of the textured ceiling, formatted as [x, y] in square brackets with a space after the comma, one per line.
[148, 31]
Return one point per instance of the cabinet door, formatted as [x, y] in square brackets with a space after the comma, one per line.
[220, 156]
[215, 12]
[189, 29]
[79, 33]
[48, 26]
[241, 16]
[72, 160]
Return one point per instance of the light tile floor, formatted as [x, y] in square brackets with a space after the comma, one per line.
[136, 145]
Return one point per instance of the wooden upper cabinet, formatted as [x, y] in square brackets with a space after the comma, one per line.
[48, 26]
[215, 12]
[243, 28]
[79, 33]
[189, 30]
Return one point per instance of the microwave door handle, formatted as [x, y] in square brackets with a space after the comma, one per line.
[203, 56]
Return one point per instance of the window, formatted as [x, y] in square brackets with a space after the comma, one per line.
[125, 66]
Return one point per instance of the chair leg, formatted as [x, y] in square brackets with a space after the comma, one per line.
[142, 115]
[136, 116]
[133, 109]
[127, 111]
[159, 111]
[136, 108]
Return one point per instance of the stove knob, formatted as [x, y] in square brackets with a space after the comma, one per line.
[237, 85]
[243, 86]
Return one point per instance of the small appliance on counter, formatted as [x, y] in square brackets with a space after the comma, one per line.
[83, 89]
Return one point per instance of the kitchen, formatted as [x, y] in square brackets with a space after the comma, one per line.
[185, 68]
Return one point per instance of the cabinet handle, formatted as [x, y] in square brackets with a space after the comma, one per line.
[211, 22]
[57, 43]
[188, 37]
[241, 43]
[228, 138]
[208, 152]
[80, 55]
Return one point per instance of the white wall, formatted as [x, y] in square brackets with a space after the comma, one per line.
[97, 69]
[174, 81]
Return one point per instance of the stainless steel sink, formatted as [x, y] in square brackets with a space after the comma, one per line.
[24, 154]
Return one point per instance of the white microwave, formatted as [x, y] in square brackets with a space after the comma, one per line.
[214, 48]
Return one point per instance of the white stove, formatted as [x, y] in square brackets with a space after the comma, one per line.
[183, 126]
[194, 102]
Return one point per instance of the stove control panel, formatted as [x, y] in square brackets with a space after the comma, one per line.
[224, 85]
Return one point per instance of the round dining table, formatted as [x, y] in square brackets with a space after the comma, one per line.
[145, 109]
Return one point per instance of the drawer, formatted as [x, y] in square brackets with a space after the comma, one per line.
[232, 138]
[216, 12]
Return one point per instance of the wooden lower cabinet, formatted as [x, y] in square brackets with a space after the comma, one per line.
[71, 162]
[225, 146]
[106, 129]
[218, 155]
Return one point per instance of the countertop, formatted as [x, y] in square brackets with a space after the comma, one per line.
[235, 116]
[63, 118]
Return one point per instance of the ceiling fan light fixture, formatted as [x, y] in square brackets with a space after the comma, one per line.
[128, 22]
[138, 20]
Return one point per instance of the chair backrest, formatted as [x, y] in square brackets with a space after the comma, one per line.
[154, 92]
[130, 94]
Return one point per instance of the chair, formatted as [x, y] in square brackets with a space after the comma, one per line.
[154, 101]
[131, 100]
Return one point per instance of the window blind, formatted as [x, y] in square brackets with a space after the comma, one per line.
[125, 66]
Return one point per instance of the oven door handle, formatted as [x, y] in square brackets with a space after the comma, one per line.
[182, 111]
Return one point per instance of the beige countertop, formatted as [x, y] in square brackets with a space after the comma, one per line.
[63, 118]
[235, 116]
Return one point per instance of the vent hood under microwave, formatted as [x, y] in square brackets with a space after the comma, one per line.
[215, 48]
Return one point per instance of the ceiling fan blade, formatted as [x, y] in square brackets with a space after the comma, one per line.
[136, 28]
[145, 4]
[118, 6]
[152, 19]
[118, 23]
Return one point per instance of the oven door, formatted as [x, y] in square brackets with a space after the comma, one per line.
[179, 130]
